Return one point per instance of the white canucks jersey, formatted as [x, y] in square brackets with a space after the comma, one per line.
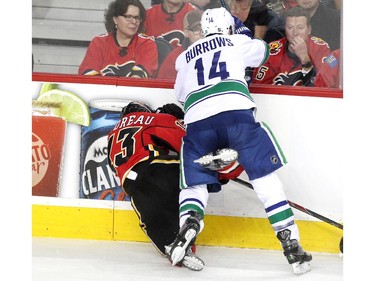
[210, 74]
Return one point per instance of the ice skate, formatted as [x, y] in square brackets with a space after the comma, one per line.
[295, 255]
[181, 245]
[190, 261]
[218, 160]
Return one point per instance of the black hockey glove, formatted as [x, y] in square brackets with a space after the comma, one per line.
[172, 109]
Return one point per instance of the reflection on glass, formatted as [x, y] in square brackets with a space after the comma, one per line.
[61, 35]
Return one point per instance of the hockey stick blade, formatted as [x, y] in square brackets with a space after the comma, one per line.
[298, 207]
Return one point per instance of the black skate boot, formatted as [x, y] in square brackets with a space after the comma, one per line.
[296, 256]
[181, 245]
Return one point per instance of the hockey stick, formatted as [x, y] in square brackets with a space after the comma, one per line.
[298, 207]
[224, 5]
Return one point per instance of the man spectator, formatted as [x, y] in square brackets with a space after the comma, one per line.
[193, 32]
[294, 59]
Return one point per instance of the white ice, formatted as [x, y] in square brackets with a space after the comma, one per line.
[60, 259]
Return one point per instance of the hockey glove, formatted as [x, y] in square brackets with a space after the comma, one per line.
[240, 28]
[172, 109]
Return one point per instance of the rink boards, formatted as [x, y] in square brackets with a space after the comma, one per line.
[116, 220]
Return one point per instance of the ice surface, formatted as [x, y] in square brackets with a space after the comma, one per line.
[91, 260]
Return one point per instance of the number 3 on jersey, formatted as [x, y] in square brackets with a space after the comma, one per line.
[217, 69]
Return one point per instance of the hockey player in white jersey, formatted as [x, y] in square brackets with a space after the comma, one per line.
[220, 113]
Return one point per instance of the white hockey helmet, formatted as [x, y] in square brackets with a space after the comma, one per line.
[217, 20]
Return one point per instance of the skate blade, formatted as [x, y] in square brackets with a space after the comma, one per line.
[230, 155]
[193, 263]
[301, 268]
[180, 251]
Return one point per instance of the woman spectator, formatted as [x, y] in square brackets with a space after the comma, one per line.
[123, 51]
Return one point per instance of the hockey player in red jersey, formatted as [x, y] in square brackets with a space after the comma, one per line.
[295, 59]
[166, 20]
[143, 149]
[123, 51]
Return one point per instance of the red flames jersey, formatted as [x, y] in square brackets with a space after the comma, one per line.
[104, 57]
[167, 69]
[140, 136]
[159, 23]
[284, 68]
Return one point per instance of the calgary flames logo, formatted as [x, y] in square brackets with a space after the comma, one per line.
[275, 47]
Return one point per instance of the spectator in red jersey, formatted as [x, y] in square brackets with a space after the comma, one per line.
[295, 59]
[123, 51]
[166, 20]
[193, 32]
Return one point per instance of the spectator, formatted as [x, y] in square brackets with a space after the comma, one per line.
[123, 51]
[254, 14]
[166, 20]
[281, 6]
[193, 32]
[259, 18]
[329, 73]
[325, 22]
[294, 59]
